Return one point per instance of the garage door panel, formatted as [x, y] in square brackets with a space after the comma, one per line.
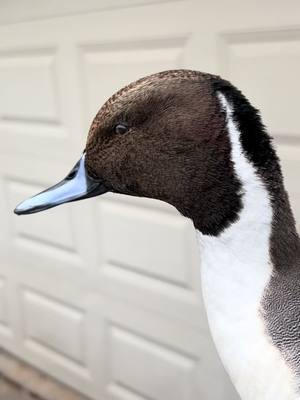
[31, 109]
[144, 257]
[152, 295]
[53, 334]
[256, 62]
[52, 325]
[5, 325]
[39, 103]
[21, 72]
[8, 320]
[143, 347]
[170, 370]
[125, 230]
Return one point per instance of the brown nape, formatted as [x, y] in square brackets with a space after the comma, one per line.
[176, 148]
[285, 244]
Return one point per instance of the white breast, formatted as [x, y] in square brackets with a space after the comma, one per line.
[236, 269]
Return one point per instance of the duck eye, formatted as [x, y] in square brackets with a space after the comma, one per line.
[120, 128]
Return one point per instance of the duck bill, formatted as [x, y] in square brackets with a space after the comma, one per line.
[77, 185]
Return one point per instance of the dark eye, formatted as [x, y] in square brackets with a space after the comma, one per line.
[120, 129]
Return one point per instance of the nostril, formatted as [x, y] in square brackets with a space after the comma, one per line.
[71, 175]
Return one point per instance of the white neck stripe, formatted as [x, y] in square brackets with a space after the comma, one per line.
[236, 269]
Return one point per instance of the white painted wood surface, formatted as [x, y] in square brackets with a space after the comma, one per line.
[105, 294]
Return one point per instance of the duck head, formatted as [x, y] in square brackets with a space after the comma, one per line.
[162, 137]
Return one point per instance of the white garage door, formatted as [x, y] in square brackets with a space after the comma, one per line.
[105, 294]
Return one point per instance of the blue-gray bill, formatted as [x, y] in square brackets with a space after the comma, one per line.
[76, 186]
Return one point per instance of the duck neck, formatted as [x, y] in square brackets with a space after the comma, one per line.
[236, 267]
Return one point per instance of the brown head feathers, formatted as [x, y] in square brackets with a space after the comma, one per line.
[175, 149]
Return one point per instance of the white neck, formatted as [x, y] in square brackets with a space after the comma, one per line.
[236, 269]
